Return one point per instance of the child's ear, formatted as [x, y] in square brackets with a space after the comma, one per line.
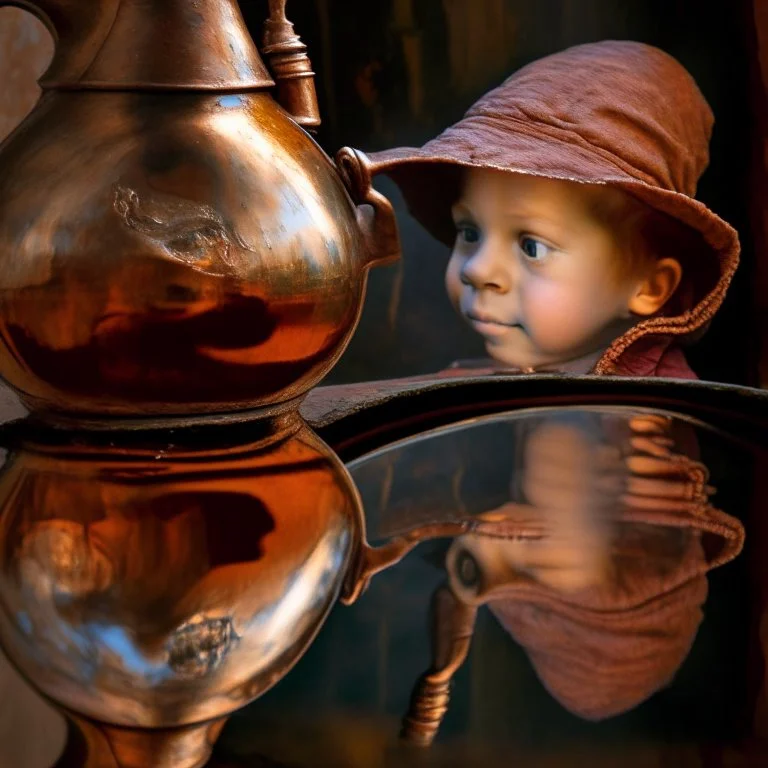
[656, 288]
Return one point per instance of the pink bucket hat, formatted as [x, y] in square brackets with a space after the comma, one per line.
[619, 113]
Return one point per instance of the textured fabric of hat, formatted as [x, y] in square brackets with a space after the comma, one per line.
[617, 112]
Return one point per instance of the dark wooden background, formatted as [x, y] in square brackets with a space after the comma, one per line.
[393, 72]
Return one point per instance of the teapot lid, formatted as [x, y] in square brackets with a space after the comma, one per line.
[153, 45]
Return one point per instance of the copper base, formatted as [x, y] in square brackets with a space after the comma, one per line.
[97, 745]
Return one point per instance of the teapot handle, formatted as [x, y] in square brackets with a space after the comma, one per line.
[373, 560]
[375, 215]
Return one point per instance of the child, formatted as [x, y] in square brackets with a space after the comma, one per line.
[567, 195]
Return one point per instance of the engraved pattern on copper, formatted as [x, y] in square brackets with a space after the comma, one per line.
[199, 646]
[192, 233]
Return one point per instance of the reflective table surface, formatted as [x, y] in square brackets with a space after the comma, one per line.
[603, 606]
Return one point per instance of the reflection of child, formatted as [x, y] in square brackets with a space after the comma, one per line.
[606, 607]
[560, 538]
[567, 195]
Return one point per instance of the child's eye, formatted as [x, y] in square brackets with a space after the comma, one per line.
[468, 233]
[534, 250]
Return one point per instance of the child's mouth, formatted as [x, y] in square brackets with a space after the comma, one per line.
[489, 326]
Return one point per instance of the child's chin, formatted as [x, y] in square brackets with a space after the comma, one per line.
[510, 357]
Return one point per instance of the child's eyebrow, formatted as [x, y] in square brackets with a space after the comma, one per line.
[520, 211]
[460, 209]
[526, 217]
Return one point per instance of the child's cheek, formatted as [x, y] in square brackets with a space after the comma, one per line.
[555, 316]
[453, 280]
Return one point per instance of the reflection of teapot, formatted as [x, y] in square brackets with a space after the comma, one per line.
[164, 586]
[171, 240]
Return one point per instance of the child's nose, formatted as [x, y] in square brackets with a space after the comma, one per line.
[486, 270]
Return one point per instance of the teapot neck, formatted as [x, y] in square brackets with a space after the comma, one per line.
[156, 45]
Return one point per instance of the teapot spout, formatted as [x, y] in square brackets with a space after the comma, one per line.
[291, 67]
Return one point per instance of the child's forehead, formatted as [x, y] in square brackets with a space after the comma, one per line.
[524, 194]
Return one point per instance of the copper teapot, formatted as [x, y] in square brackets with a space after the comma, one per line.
[172, 240]
[176, 251]
[153, 590]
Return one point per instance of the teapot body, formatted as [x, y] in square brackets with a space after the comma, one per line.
[164, 586]
[174, 253]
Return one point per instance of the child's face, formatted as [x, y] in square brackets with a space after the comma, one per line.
[534, 272]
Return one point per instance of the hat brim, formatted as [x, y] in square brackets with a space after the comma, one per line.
[430, 179]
